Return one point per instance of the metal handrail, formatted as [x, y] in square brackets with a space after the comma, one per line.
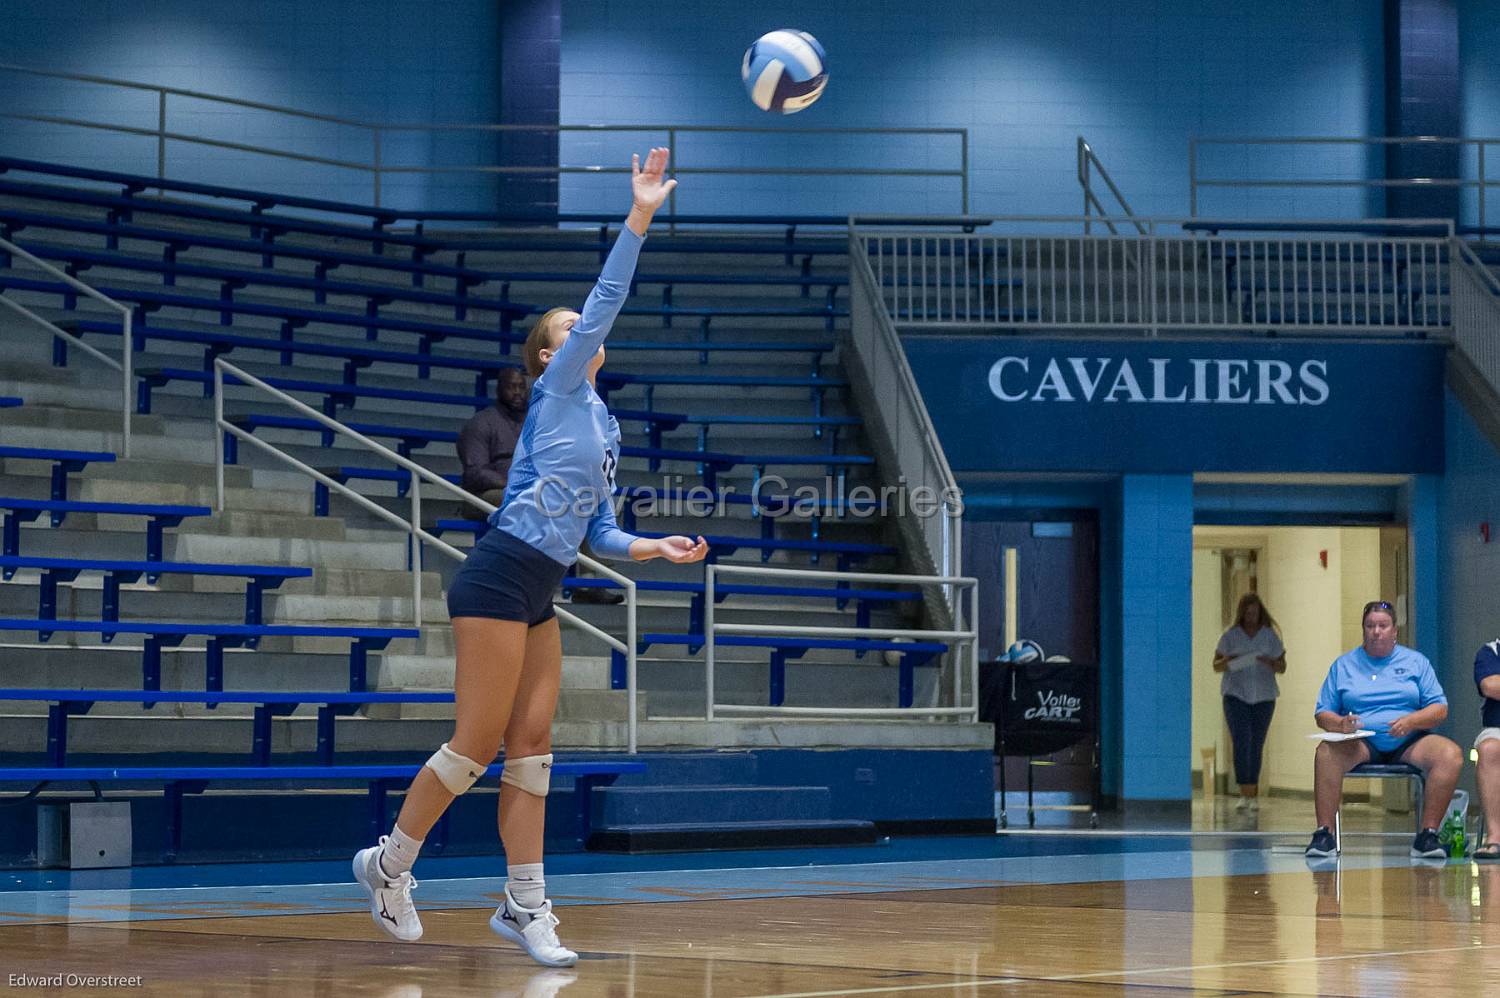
[1482, 183]
[910, 437]
[412, 526]
[1153, 224]
[1088, 164]
[1070, 281]
[377, 166]
[968, 637]
[1475, 295]
[1483, 273]
[125, 365]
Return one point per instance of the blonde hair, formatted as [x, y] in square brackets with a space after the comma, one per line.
[539, 339]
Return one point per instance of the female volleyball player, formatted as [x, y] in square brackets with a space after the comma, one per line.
[505, 633]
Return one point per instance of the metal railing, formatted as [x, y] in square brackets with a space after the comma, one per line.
[966, 636]
[377, 164]
[1476, 312]
[124, 365]
[412, 525]
[1480, 183]
[1089, 165]
[1235, 280]
[898, 424]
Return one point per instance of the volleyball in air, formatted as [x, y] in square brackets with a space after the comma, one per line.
[785, 71]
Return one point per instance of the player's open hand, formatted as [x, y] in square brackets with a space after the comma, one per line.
[648, 186]
[681, 550]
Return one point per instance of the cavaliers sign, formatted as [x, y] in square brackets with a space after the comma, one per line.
[1170, 406]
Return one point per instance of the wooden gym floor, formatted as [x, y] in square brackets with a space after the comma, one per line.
[1074, 918]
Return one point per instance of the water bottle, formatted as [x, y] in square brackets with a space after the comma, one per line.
[1448, 831]
[1457, 844]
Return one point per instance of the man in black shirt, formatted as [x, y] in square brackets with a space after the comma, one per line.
[487, 443]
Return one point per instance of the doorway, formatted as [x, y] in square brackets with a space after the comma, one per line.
[1313, 581]
[1039, 581]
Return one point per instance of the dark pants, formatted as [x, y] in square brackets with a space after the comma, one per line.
[1248, 724]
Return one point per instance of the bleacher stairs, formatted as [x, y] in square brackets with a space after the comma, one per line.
[359, 575]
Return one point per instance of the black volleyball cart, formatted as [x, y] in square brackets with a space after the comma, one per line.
[1038, 709]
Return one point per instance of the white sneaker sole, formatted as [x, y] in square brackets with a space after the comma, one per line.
[506, 932]
[360, 864]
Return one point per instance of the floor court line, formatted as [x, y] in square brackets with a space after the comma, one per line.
[989, 982]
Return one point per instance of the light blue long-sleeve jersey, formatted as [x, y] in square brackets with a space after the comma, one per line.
[563, 474]
[1379, 690]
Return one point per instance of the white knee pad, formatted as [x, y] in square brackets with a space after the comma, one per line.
[454, 771]
[532, 774]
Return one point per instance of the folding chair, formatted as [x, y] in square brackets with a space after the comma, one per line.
[1383, 771]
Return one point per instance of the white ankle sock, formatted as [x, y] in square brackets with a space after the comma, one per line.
[526, 884]
[399, 854]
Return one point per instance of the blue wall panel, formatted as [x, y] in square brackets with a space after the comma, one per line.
[1025, 77]
[1155, 666]
[375, 60]
[1468, 567]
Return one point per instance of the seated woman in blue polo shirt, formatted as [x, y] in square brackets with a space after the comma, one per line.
[1487, 678]
[1389, 689]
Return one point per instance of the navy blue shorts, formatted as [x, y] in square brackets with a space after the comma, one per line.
[505, 579]
[1389, 757]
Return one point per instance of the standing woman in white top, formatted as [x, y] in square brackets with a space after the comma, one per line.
[1250, 654]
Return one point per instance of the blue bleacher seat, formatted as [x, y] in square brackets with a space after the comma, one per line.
[260, 201]
[913, 654]
[259, 578]
[411, 438]
[232, 279]
[264, 227]
[847, 553]
[216, 343]
[862, 597]
[158, 518]
[326, 258]
[291, 316]
[268, 705]
[9, 402]
[765, 507]
[344, 474]
[267, 227]
[161, 635]
[64, 463]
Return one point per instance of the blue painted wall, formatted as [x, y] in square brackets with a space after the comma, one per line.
[1024, 76]
[373, 60]
[1469, 576]
[1156, 551]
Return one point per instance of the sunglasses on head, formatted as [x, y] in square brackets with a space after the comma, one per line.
[1378, 604]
